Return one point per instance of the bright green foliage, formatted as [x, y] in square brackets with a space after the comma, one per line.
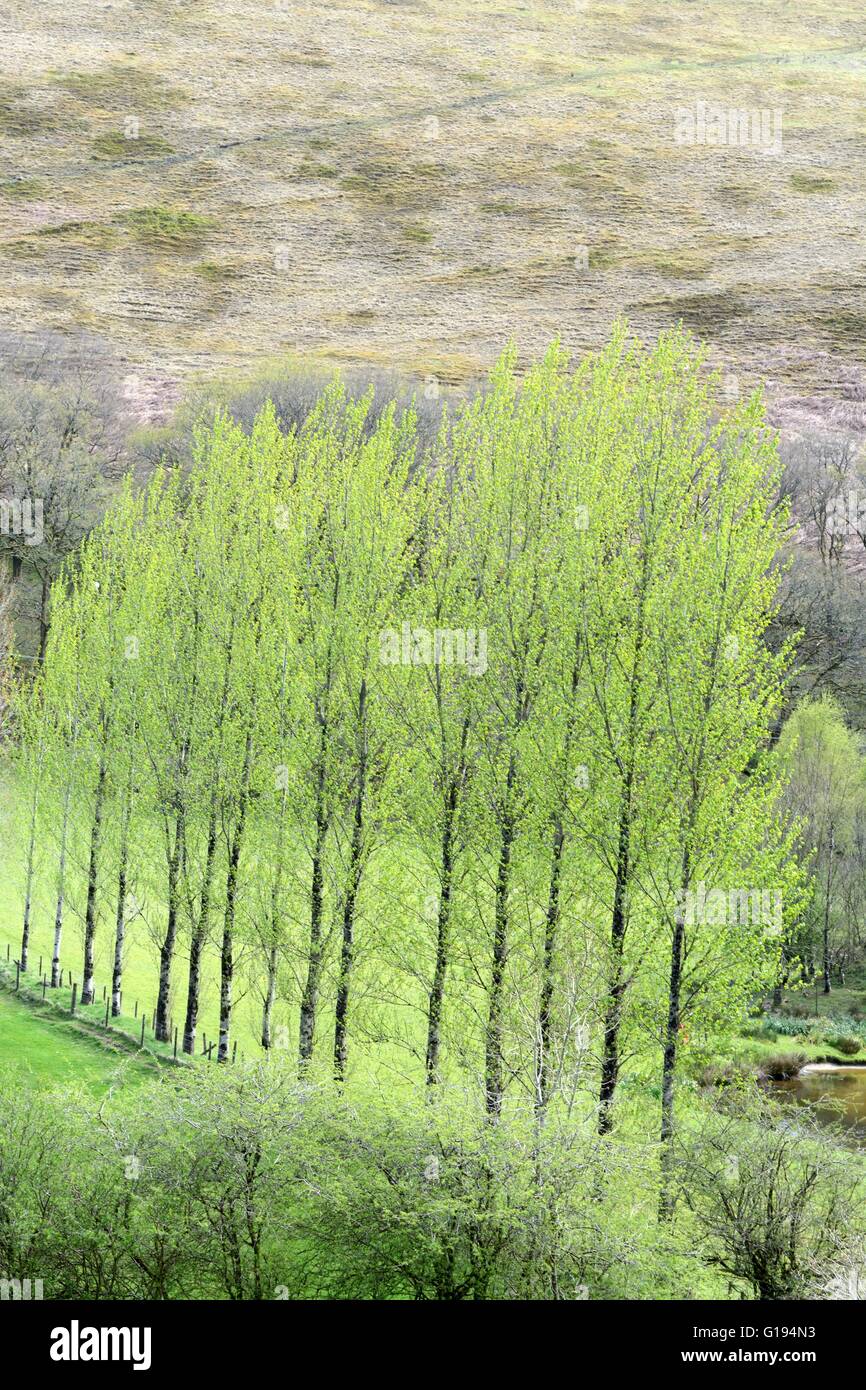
[423, 749]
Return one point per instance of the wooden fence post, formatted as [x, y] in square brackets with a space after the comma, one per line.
[143, 1022]
[74, 997]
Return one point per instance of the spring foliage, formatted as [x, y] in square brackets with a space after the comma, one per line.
[428, 746]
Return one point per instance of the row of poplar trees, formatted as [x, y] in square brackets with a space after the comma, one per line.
[464, 854]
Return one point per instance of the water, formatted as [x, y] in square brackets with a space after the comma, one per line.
[837, 1096]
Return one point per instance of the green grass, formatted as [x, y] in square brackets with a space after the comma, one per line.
[809, 183]
[116, 146]
[51, 1051]
[168, 227]
[416, 231]
[215, 272]
[23, 188]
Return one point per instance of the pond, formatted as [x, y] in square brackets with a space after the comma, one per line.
[836, 1094]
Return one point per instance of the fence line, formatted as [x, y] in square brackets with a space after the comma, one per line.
[43, 980]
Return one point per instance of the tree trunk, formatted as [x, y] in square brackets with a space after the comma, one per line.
[198, 938]
[443, 921]
[199, 927]
[227, 964]
[344, 979]
[61, 888]
[120, 919]
[43, 617]
[28, 885]
[119, 935]
[551, 929]
[196, 946]
[669, 1062]
[227, 954]
[616, 982]
[314, 961]
[826, 942]
[551, 926]
[162, 1020]
[87, 986]
[493, 1031]
[270, 996]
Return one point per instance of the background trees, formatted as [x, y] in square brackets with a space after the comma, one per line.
[61, 430]
[823, 761]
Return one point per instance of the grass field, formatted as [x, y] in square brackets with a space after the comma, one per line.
[50, 1051]
[402, 184]
[140, 979]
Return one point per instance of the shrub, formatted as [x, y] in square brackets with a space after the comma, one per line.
[764, 1031]
[721, 1074]
[780, 1066]
[242, 1183]
[849, 1047]
[785, 1027]
[774, 1206]
[423, 1204]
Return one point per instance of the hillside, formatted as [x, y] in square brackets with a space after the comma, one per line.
[411, 185]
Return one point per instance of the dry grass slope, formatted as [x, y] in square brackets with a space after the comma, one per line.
[408, 183]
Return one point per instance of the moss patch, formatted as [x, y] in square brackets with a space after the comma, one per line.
[117, 146]
[172, 228]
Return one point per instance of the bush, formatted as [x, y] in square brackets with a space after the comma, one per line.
[786, 1027]
[849, 1047]
[765, 1031]
[775, 1207]
[242, 1183]
[722, 1074]
[780, 1066]
[428, 1204]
